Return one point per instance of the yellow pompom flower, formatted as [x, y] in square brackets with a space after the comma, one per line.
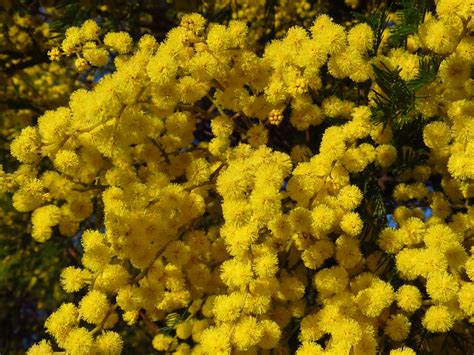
[96, 56]
[109, 343]
[44, 219]
[257, 135]
[162, 342]
[300, 153]
[438, 319]
[41, 348]
[331, 280]
[73, 279]
[54, 54]
[271, 334]
[81, 65]
[390, 240]
[374, 299]
[361, 37]
[351, 224]
[330, 36]
[89, 30]
[198, 171]
[119, 41]
[191, 90]
[470, 268]
[440, 237]
[66, 161]
[441, 287]
[466, 298]
[454, 70]
[72, 40]
[266, 265]
[381, 134]
[184, 330]
[460, 166]
[354, 160]
[93, 307]
[323, 219]
[349, 197]
[315, 255]
[215, 340]
[247, 333]
[79, 341]
[112, 278]
[397, 327]
[405, 350]
[348, 252]
[222, 126]
[60, 323]
[26, 146]
[310, 348]
[465, 49]
[346, 333]
[439, 35]
[227, 308]
[436, 135]
[182, 349]
[386, 155]
[310, 331]
[193, 22]
[236, 273]
[53, 126]
[161, 69]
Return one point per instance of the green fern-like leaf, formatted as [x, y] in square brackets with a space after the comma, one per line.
[411, 15]
[395, 100]
[429, 67]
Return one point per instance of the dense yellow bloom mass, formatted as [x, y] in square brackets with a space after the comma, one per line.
[229, 241]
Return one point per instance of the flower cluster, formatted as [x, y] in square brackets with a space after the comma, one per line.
[224, 239]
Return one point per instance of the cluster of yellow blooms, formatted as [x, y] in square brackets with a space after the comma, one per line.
[84, 41]
[285, 13]
[233, 233]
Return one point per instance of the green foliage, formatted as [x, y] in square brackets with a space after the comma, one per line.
[395, 107]
[372, 209]
[429, 67]
[410, 16]
[395, 101]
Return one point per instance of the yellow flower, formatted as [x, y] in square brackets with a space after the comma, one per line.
[397, 327]
[438, 319]
[94, 307]
[361, 37]
[466, 298]
[405, 350]
[351, 224]
[79, 341]
[73, 279]
[119, 41]
[331, 280]
[89, 30]
[441, 287]
[436, 134]
[26, 146]
[162, 342]
[41, 348]
[109, 343]
[247, 333]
